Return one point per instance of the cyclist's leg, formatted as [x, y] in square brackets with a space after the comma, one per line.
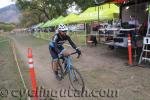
[55, 66]
[64, 51]
[55, 60]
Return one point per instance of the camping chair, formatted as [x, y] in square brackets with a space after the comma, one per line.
[91, 40]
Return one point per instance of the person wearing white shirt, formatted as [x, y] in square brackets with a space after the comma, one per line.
[133, 21]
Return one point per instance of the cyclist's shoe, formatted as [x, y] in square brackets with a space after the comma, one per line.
[58, 78]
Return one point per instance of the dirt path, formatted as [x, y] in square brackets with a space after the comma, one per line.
[101, 68]
[42, 62]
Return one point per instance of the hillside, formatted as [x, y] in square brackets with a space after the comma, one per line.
[9, 14]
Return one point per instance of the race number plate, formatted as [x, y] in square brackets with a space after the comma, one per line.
[146, 40]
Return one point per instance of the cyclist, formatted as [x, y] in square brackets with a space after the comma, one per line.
[56, 46]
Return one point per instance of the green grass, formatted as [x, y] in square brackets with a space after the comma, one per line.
[43, 35]
[78, 37]
[27, 40]
[9, 75]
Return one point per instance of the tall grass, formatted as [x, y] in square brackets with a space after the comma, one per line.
[78, 37]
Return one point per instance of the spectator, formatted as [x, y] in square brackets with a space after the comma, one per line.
[143, 29]
[133, 22]
[93, 38]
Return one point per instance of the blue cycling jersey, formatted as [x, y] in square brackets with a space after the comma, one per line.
[58, 41]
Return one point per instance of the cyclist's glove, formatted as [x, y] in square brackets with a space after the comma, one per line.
[78, 51]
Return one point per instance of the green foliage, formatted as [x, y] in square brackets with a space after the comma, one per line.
[84, 4]
[7, 27]
[43, 10]
[29, 18]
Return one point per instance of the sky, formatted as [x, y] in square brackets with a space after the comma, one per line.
[4, 3]
[72, 9]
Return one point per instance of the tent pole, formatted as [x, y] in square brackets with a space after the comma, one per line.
[91, 28]
[98, 14]
[98, 18]
[68, 28]
[85, 33]
[85, 28]
[135, 49]
[120, 14]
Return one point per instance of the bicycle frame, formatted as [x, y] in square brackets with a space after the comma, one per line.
[69, 63]
[66, 67]
[68, 59]
[69, 66]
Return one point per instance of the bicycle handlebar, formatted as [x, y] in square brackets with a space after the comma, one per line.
[72, 54]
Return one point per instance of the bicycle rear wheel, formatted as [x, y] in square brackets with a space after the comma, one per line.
[76, 80]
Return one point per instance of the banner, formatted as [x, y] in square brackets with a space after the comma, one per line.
[119, 1]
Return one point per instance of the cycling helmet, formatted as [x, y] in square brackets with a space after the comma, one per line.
[62, 27]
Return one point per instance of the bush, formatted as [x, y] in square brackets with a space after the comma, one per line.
[7, 27]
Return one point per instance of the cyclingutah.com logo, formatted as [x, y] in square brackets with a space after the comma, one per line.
[42, 92]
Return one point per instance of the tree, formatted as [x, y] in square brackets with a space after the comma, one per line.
[50, 8]
[29, 18]
[84, 4]
[44, 10]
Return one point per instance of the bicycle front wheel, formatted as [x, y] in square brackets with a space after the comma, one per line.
[76, 80]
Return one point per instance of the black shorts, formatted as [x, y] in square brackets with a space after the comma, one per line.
[53, 52]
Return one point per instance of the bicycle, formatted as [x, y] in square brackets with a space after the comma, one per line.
[73, 73]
